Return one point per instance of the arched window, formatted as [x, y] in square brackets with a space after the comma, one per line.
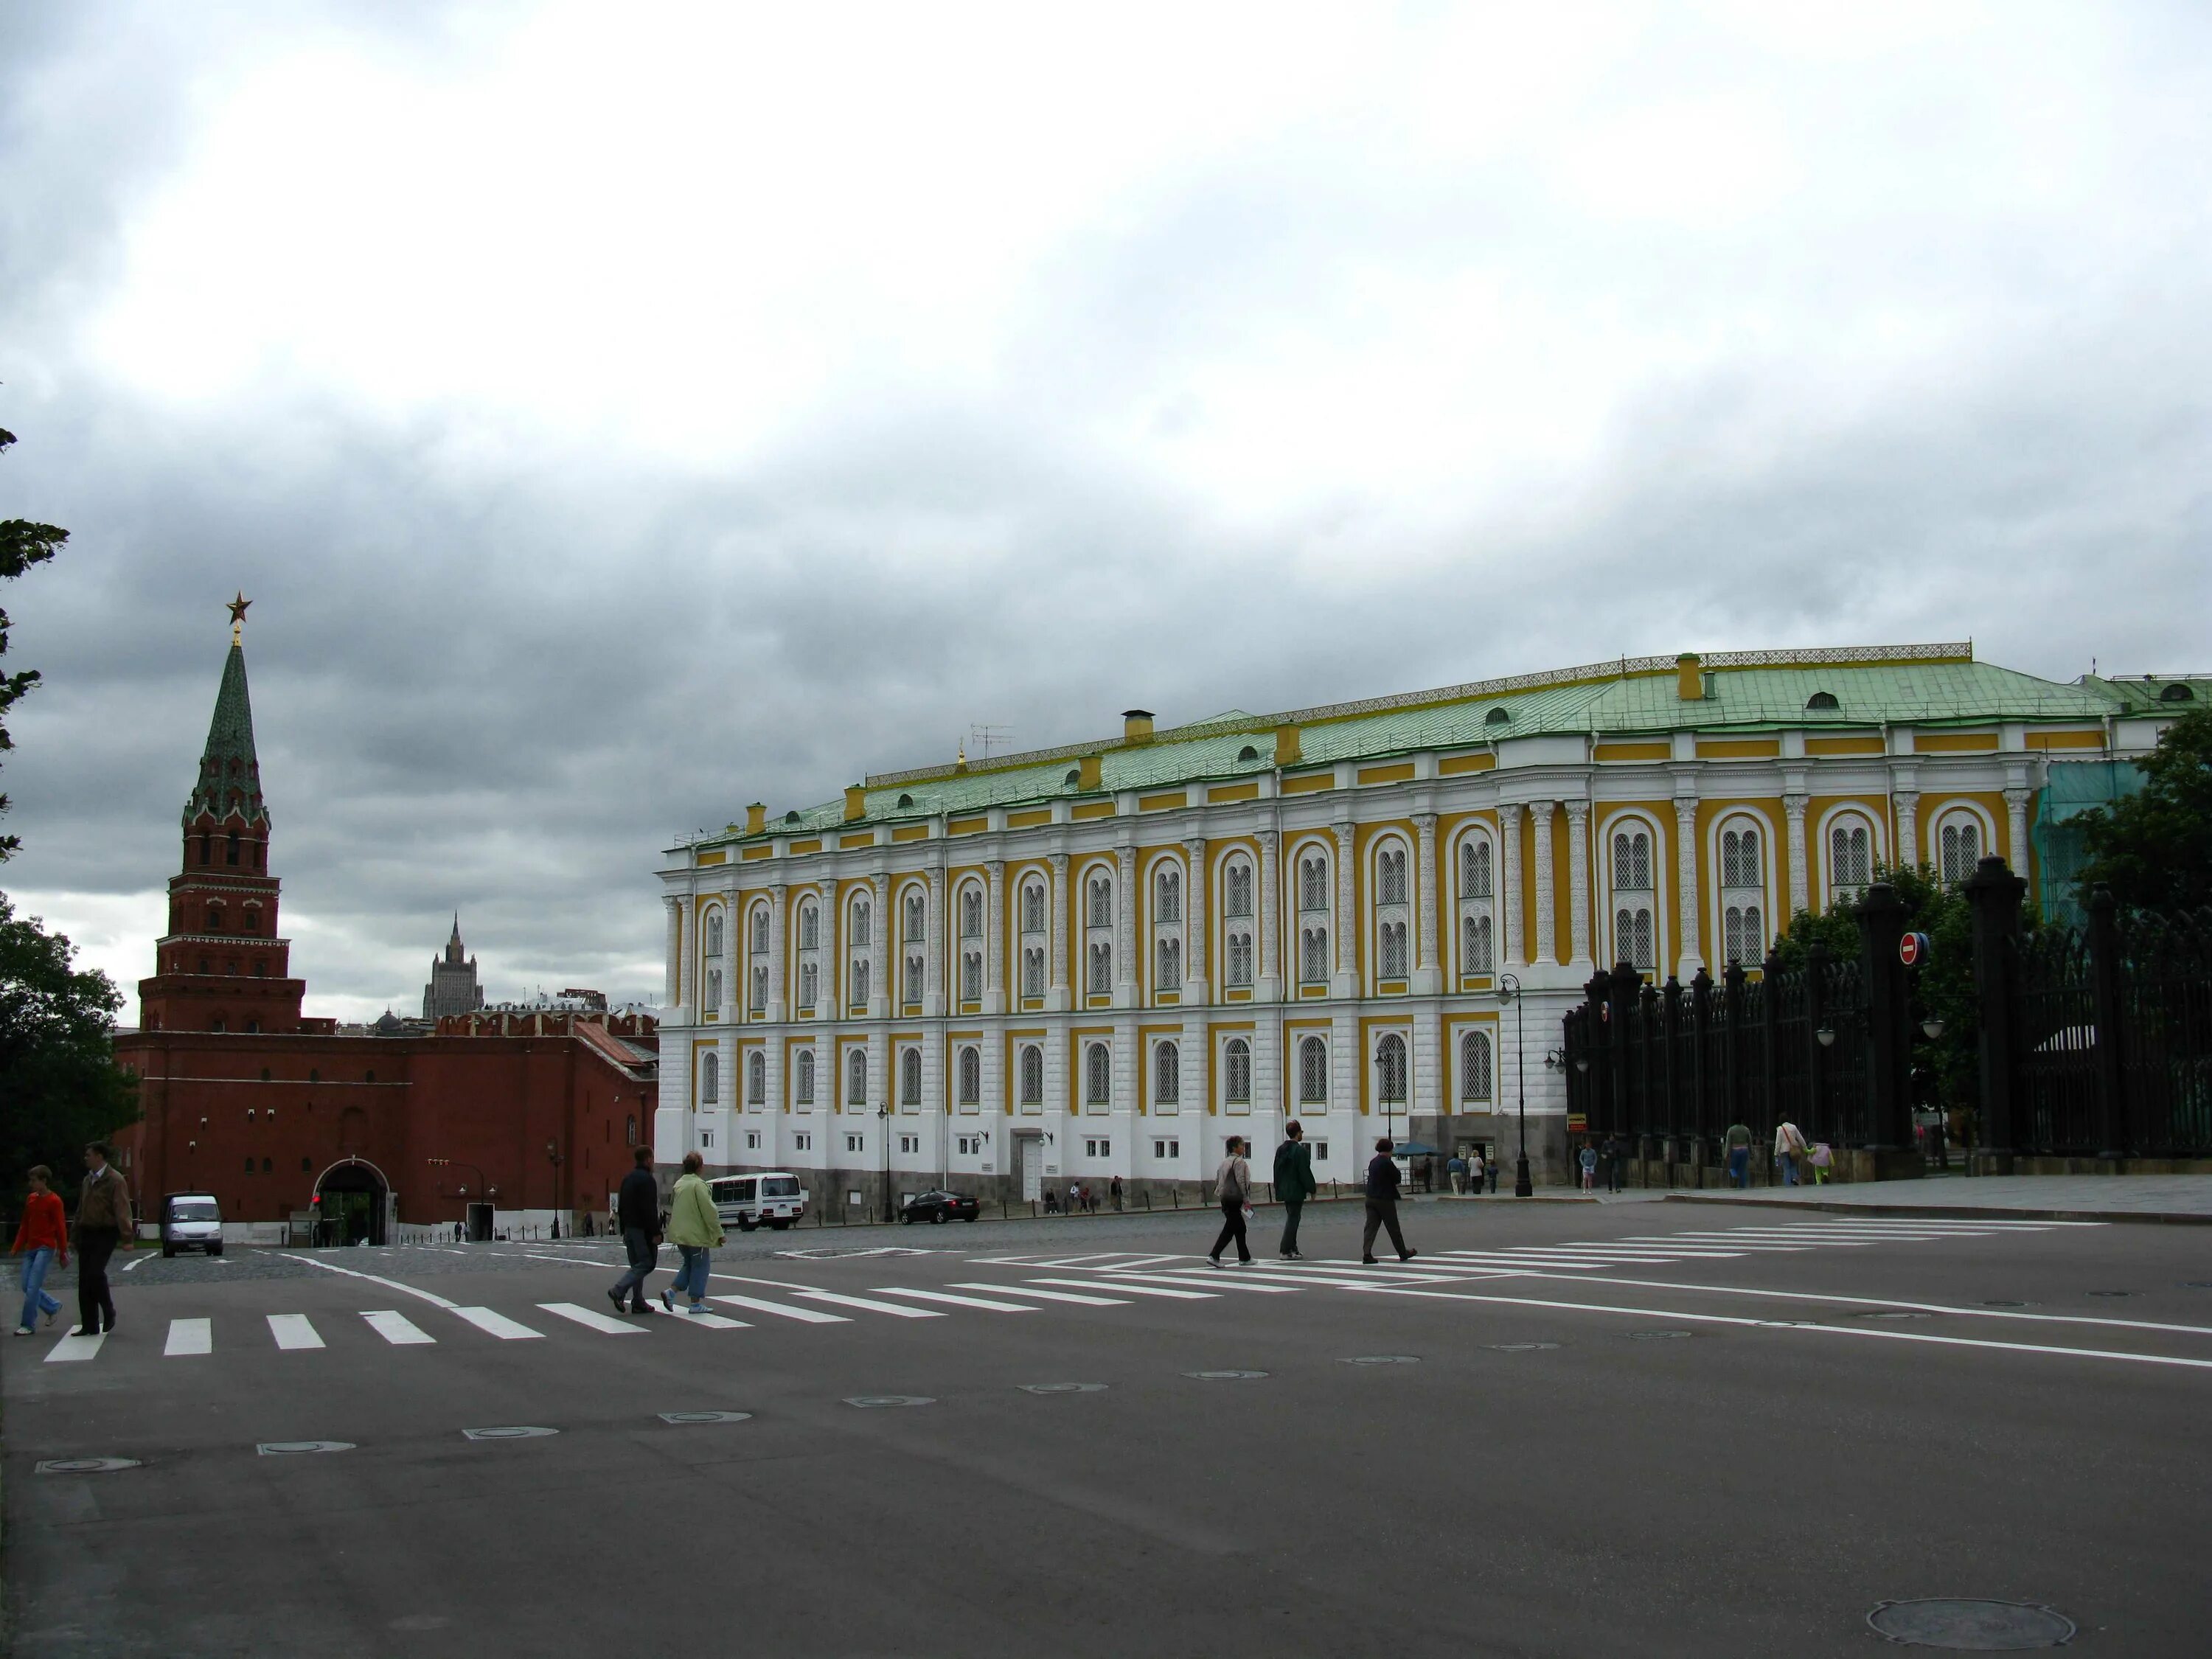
[1167, 1074]
[1958, 845]
[760, 930]
[1313, 956]
[1100, 981]
[910, 1077]
[1033, 906]
[215, 918]
[860, 984]
[1167, 895]
[756, 1078]
[1168, 970]
[1100, 911]
[1394, 953]
[629, 1130]
[971, 1077]
[1236, 911]
[759, 988]
[714, 932]
[1635, 899]
[917, 915]
[249, 920]
[1851, 857]
[1313, 884]
[810, 927]
[1477, 899]
[1313, 1071]
[914, 943]
[1390, 1069]
[710, 1077]
[1098, 935]
[1033, 970]
[810, 986]
[971, 973]
[1032, 1070]
[1474, 1067]
[1237, 1073]
[803, 1078]
[1394, 915]
[1744, 893]
[971, 912]
[856, 1078]
[1390, 876]
[1097, 1074]
[861, 923]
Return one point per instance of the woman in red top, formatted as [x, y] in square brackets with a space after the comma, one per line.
[45, 1234]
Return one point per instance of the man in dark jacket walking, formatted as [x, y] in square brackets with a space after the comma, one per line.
[1383, 1205]
[1294, 1184]
[103, 1222]
[637, 1213]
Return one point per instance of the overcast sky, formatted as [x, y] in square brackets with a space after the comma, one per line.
[618, 416]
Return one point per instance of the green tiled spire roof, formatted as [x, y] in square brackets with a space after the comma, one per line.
[230, 775]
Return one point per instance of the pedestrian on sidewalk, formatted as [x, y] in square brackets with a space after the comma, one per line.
[1456, 1167]
[103, 1222]
[1294, 1184]
[1383, 1205]
[637, 1214]
[1737, 1141]
[694, 1230]
[45, 1234]
[1493, 1174]
[1613, 1158]
[1823, 1157]
[1476, 1170]
[1232, 1186]
[1114, 1193]
[1789, 1147]
[1588, 1159]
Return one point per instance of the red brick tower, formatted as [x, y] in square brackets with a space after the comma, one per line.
[221, 967]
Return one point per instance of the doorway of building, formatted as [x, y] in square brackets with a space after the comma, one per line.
[1030, 1155]
[351, 1204]
[479, 1224]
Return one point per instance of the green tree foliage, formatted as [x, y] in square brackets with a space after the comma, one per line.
[1942, 988]
[22, 545]
[2154, 849]
[59, 1085]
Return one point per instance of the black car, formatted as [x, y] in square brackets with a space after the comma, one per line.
[940, 1206]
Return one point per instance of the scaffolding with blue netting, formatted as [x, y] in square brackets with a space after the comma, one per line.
[2074, 788]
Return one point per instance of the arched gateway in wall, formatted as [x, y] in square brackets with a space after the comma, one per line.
[353, 1200]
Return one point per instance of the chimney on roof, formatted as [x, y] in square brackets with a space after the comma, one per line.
[1136, 726]
[755, 818]
[1689, 678]
[1286, 745]
[856, 801]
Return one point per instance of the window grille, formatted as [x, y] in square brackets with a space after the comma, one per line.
[1167, 1073]
[1313, 1071]
[810, 980]
[1102, 902]
[756, 1078]
[803, 1071]
[1851, 856]
[1313, 884]
[910, 1077]
[710, 1078]
[860, 984]
[861, 923]
[1394, 950]
[1313, 956]
[1632, 860]
[714, 988]
[760, 989]
[971, 976]
[1033, 908]
[1390, 868]
[1237, 889]
[1170, 974]
[971, 913]
[1960, 841]
[715, 934]
[1474, 868]
[1390, 1069]
[1240, 958]
[914, 976]
[971, 1076]
[1475, 945]
[1167, 896]
[1033, 972]
[1032, 1075]
[1474, 1066]
[1102, 970]
[856, 1078]
[1236, 1081]
[760, 930]
[810, 927]
[1097, 1074]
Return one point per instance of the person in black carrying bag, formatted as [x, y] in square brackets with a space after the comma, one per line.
[637, 1213]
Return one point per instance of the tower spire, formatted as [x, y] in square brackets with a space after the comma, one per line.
[230, 772]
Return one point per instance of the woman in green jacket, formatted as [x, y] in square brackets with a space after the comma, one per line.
[694, 1230]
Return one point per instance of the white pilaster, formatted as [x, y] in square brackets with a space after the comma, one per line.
[1349, 922]
[1196, 929]
[1509, 897]
[1126, 966]
[1057, 997]
[1578, 885]
[1801, 878]
[1686, 883]
[1541, 951]
[994, 943]
[1271, 968]
[1427, 979]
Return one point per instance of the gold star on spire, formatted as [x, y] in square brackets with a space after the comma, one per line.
[237, 608]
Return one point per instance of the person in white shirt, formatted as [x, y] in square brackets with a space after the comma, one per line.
[1789, 1147]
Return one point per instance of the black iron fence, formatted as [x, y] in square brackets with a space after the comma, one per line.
[1822, 1045]
[2096, 1042]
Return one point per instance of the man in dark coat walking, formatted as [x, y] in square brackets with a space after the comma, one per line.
[1294, 1184]
[637, 1213]
[1383, 1205]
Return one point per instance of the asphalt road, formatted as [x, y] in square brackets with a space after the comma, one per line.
[1632, 1430]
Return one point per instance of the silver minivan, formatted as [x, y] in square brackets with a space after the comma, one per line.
[191, 1221]
[745, 1202]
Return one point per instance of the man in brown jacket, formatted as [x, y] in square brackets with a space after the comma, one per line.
[103, 1221]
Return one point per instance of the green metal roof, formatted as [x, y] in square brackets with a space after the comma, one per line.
[230, 775]
[1918, 686]
[2165, 694]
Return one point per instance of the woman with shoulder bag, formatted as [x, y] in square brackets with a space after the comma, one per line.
[1232, 1185]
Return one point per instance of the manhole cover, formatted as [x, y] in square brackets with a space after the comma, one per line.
[2111, 1292]
[1521, 1347]
[1225, 1376]
[870, 1401]
[513, 1431]
[706, 1417]
[290, 1448]
[1971, 1626]
[86, 1465]
[1887, 1312]
[1062, 1388]
[1382, 1359]
[1658, 1336]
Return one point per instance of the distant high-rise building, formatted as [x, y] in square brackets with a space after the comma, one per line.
[452, 989]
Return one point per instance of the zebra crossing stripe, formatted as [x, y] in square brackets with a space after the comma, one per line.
[707, 1320]
[397, 1328]
[1230, 1278]
[977, 1302]
[495, 1324]
[862, 1302]
[1124, 1286]
[188, 1336]
[294, 1331]
[589, 1320]
[1046, 1296]
[804, 1315]
[71, 1349]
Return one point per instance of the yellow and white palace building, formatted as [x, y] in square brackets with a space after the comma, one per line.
[1106, 958]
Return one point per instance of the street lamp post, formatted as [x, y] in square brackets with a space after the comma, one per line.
[1509, 990]
[883, 1117]
[553, 1157]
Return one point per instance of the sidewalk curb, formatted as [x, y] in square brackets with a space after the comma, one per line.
[1950, 1212]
